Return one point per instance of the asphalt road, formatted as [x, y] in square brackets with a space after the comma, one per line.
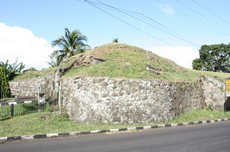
[213, 137]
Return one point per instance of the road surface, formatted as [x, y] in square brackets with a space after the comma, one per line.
[213, 137]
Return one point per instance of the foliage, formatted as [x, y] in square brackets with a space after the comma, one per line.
[209, 107]
[213, 58]
[70, 44]
[12, 70]
[55, 61]
[115, 40]
[47, 107]
[4, 85]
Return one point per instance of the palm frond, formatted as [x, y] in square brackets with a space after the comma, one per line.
[70, 43]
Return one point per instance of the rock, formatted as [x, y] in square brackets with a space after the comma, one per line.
[96, 80]
[104, 84]
[152, 69]
[89, 58]
[97, 61]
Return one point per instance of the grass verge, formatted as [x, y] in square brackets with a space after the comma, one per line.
[43, 123]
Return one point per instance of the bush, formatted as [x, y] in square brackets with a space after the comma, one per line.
[4, 85]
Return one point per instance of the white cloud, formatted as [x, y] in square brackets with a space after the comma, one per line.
[19, 42]
[168, 9]
[183, 56]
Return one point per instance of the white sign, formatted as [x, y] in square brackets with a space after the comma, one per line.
[27, 101]
[14, 103]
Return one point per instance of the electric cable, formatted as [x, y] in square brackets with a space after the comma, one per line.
[201, 15]
[134, 26]
[177, 35]
[196, 19]
[211, 12]
[152, 25]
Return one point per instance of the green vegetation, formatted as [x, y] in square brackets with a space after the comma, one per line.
[70, 44]
[19, 109]
[12, 70]
[34, 74]
[126, 61]
[115, 40]
[42, 123]
[30, 69]
[213, 58]
[54, 61]
[4, 85]
[202, 114]
[26, 108]
[5, 99]
[130, 62]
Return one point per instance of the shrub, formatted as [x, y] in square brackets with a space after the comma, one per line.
[4, 85]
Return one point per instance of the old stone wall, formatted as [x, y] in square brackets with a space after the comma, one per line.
[128, 100]
[120, 100]
[213, 92]
[47, 85]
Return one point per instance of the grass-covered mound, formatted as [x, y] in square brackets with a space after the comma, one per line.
[126, 61]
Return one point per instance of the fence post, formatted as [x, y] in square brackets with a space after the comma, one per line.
[12, 110]
[38, 100]
[59, 97]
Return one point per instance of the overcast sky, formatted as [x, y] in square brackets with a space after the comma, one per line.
[174, 29]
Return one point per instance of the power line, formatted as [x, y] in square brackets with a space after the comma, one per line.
[134, 26]
[151, 25]
[104, 5]
[196, 19]
[177, 35]
[201, 15]
[211, 12]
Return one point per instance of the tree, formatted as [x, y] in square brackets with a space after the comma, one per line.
[12, 70]
[213, 58]
[115, 40]
[54, 61]
[70, 44]
[4, 85]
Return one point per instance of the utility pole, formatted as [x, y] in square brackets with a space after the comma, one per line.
[144, 35]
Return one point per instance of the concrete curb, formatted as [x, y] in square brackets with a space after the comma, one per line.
[55, 135]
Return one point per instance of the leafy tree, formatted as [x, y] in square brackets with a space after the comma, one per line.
[12, 70]
[115, 40]
[70, 44]
[213, 58]
[4, 85]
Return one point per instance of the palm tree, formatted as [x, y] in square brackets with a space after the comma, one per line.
[54, 61]
[70, 44]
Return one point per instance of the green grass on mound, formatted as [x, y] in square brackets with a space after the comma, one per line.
[126, 61]
[34, 74]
